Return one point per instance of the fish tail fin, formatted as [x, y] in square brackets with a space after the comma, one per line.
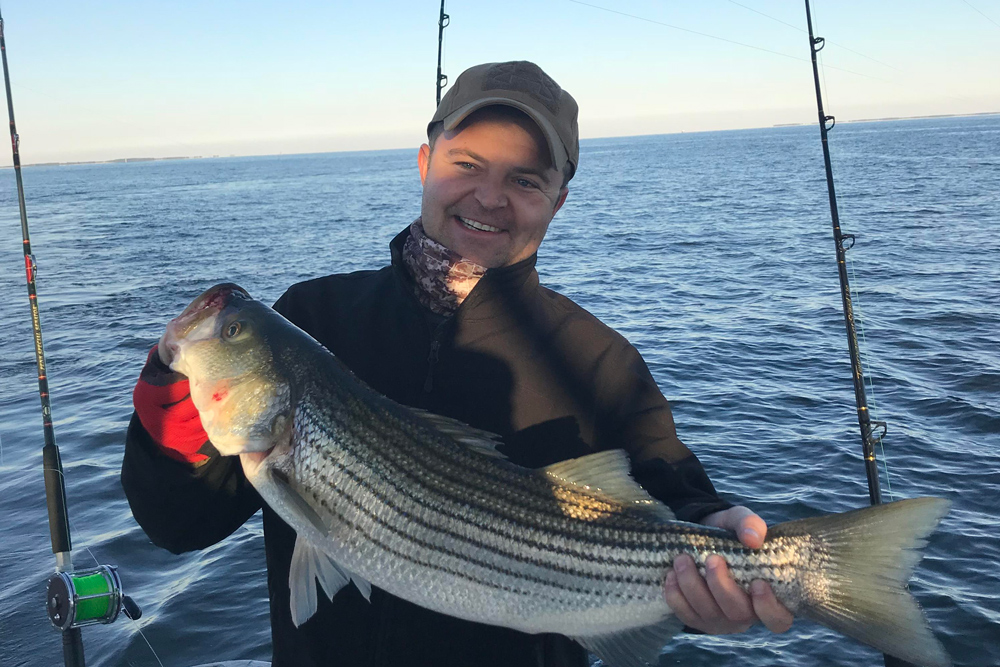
[870, 554]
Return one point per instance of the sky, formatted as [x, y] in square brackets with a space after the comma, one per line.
[129, 78]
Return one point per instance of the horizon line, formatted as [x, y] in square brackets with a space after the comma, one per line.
[123, 160]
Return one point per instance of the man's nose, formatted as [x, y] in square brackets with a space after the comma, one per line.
[490, 193]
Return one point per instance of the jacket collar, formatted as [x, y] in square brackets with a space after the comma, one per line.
[504, 280]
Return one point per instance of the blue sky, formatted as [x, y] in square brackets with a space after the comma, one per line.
[112, 79]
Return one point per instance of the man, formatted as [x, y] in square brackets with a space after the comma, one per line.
[457, 325]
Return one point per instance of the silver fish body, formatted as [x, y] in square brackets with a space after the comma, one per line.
[425, 508]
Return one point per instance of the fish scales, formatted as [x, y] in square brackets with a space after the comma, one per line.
[424, 508]
[458, 485]
[444, 470]
[420, 496]
[486, 485]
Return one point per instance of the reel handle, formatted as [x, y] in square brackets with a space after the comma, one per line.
[130, 608]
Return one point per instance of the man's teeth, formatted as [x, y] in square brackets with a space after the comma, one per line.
[478, 225]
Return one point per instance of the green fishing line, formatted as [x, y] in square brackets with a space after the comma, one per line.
[94, 608]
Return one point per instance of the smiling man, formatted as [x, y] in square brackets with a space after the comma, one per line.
[490, 189]
[459, 325]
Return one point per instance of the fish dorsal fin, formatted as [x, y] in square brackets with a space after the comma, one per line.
[479, 440]
[608, 473]
[637, 647]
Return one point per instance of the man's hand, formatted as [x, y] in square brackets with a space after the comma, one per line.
[716, 604]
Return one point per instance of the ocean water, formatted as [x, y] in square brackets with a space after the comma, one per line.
[711, 252]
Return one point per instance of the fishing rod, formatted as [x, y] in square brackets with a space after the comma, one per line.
[74, 598]
[872, 432]
[442, 79]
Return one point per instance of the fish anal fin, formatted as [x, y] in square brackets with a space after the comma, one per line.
[311, 564]
[637, 647]
[362, 584]
[301, 582]
[609, 473]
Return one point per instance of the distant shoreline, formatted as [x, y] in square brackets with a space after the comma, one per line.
[875, 120]
[118, 160]
[201, 157]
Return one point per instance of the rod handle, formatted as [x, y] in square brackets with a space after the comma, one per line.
[55, 497]
[72, 641]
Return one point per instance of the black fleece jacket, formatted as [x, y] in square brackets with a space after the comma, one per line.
[516, 359]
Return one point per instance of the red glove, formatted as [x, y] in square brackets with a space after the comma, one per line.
[162, 399]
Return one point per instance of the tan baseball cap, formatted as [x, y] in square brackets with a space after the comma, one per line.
[522, 85]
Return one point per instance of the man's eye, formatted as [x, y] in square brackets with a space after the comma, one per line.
[525, 183]
[466, 165]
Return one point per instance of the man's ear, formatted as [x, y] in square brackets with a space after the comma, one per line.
[563, 191]
[424, 162]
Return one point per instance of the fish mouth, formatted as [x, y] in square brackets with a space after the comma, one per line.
[197, 320]
[219, 297]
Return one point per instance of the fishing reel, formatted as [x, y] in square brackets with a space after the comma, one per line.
[86, 597]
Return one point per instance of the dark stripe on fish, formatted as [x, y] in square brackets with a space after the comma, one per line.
[440, 475]
[514, 553]
[436, 548]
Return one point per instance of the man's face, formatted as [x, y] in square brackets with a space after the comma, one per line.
[489, 189]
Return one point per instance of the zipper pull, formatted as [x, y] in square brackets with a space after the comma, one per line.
[432, 358]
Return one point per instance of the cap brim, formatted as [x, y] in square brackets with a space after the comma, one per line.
[556, 149]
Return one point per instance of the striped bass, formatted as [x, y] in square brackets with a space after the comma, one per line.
[427, 509]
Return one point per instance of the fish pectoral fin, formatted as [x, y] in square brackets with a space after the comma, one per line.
[310, 565]
[283, 488]
[609, 473]
[637, 647]
[482, 441]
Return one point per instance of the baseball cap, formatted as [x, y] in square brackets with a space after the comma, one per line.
[524, 86]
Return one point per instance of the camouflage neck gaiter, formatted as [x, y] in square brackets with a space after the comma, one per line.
[443, 278]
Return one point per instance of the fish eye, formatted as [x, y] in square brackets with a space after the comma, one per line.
[233, 330]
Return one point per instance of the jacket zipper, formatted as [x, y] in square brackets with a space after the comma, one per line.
[432, 356]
